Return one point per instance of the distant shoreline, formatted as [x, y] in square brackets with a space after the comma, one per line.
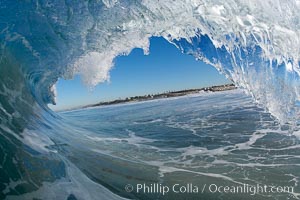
[148, 97]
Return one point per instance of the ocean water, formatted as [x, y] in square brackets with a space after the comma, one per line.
[209, 139]
[221, 138]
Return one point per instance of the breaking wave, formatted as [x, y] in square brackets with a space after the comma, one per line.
[256, 44]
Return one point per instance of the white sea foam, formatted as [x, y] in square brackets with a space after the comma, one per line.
[37, 141]
[133, 139]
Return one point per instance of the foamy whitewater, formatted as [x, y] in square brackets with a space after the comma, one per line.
[47, 155]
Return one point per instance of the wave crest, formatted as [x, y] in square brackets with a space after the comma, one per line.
[255, 43]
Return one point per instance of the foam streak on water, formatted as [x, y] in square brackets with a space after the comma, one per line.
[235, 143]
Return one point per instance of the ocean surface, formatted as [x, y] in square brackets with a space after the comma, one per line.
[210, 139]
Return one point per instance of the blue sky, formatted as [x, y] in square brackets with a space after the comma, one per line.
[164, 69]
